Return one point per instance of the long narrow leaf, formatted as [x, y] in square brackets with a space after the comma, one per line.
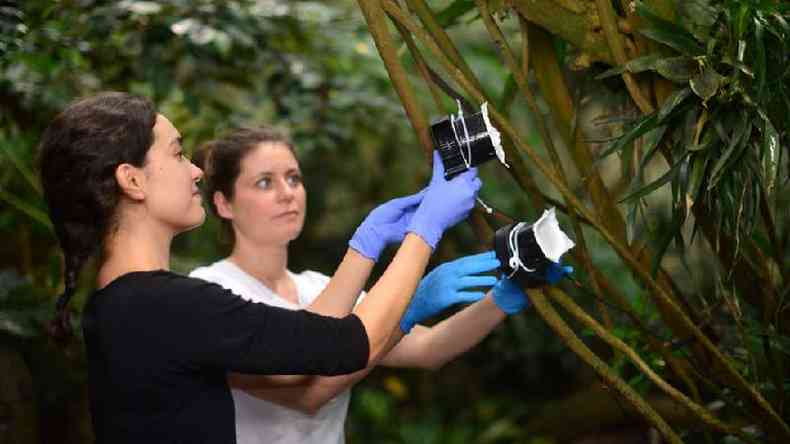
[643, 126]
[24, 170]
[669, 175]
[675, 99]
[25, 208]
[637, 65]
[736, 140]
[770, 154]
[668, 33]
[663, 243]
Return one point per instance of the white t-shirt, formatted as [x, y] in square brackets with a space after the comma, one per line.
[259, 421]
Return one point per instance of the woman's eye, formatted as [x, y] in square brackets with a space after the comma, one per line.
[263, 183]
[295, 179]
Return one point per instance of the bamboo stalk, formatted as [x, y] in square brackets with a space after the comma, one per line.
[520, 77]
[775, 422]
[554, 90]
[547, 312]
[377, 25]
[609, 24]
[704, 415]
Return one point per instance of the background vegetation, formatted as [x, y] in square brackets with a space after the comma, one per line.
[659, 128]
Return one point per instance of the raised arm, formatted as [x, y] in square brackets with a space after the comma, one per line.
[386, 224]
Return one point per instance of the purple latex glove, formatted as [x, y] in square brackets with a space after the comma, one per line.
[445, 202]
[385, 225]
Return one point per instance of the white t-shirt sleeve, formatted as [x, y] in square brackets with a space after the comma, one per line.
[320, 281]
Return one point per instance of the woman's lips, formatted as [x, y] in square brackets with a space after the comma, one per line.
[287, 214]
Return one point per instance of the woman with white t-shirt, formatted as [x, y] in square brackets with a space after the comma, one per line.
[255, 186]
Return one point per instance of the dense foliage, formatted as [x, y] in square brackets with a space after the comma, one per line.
[698, 157]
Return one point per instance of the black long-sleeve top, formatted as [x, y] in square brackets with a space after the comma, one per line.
[159, 346]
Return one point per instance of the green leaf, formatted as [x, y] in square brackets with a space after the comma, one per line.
[698, 164]
[700, 15]
[669, 105]
[509, 93]
[706, 83]
[737, 140]
[448, 16]
[24, 170]
[676, 69]
[652, 141]
[668, 33]
[26, 208]
[637, 65]
[760, 68]
[669, 175]
[770, 154]
[643, 126]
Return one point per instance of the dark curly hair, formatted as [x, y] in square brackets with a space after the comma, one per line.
[79, 153]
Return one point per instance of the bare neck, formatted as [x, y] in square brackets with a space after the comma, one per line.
[134, 248]
[267, 263]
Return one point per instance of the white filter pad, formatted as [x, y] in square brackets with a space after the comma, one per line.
[493, 133]
[552, 240]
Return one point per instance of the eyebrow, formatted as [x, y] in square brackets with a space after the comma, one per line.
[265, 173]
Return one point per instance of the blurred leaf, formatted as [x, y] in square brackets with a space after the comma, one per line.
[668, 33]
[770, 154]
[663, 180]
[676, 69]
[644, 125]
[739, 133]
[699, 16]
[449, 16]
[671, 102]
[707, 83]
[27, 209]
[637, 65]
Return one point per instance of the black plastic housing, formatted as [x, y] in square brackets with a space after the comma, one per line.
[449, 146]
[530, 252]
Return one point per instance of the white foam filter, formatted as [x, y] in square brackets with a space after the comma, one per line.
[496, 138]
[552, 240]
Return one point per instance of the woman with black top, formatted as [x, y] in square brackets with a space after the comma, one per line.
[159, 344]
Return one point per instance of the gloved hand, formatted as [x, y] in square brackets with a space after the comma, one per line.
[445, 202]
[508, 296]
[441, 288]
[384, 225]
[511, 299]
[557, 271]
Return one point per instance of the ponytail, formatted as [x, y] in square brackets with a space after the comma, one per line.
[59, 327]
[79, 153]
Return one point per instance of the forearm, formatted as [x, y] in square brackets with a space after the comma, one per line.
[433, 347]
[313, 395]
[340, 295]
[382, 309]
[246, 381]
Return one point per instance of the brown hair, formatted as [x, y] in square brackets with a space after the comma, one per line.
[221, 159]
[79, 153]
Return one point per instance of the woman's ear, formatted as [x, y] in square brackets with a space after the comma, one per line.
[131, 181]
[224, 208]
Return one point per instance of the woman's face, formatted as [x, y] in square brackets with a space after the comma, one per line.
[269, 200]
[172, 195]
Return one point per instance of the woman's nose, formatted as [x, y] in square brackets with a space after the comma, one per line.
[197, 173]
[284, 190]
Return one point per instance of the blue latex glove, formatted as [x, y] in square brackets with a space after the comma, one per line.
[385, 225]
[511, 299]
[557, 271]
[445, 202]
[443, 286]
